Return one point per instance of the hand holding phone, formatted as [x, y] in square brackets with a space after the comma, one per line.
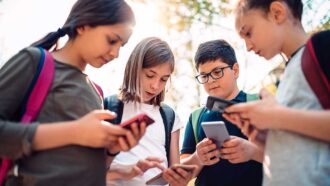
[217, 104]
[159, 179]
[217, 131]
[138, 119]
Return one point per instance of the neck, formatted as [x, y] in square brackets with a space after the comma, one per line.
[295, 38]
[69, 55]
[233, 94]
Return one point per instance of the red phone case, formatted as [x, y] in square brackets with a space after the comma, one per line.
[137, 119]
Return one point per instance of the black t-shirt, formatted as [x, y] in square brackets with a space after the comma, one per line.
[223, 173]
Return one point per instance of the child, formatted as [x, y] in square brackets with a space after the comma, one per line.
[218, 71]
[297, 149]
[65, 145]
[147, 72]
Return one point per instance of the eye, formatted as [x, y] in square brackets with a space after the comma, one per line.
[112, 41]
[248, 34]
[217, 72]
[149, 76]
[164, 79]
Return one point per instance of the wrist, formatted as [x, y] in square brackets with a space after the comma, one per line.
[196, 158]
[112, 153]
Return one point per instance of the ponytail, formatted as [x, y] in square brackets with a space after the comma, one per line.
[50, 39]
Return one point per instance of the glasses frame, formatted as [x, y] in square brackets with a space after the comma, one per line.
[210, 74]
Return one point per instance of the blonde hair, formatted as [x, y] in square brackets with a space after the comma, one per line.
[149, 52]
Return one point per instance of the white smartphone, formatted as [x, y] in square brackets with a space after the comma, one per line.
[217, 131]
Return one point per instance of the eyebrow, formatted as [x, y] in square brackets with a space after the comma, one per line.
[242, 29]
[120, 39]
[157, 73]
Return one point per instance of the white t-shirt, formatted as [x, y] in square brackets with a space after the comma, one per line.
[151, 144]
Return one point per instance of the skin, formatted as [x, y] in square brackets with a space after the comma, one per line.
[314, 124]
[236, 150]
[91, 46]
[272, 33]
[153, 82]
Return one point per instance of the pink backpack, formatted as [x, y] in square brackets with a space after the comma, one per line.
[40, 85]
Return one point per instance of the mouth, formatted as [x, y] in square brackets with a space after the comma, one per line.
[213, 88]
[150, 94]
[258, 53]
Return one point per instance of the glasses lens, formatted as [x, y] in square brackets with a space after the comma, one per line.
[202, 78]
[217, 73]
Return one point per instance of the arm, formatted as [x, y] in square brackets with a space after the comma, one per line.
[261, 114]
[176, 176]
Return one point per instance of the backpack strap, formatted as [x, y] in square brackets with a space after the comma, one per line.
[313, 72]
[168, 117]
[36, 95]
[194, 119]
[39, 92]
[115, 105]
[252, 97]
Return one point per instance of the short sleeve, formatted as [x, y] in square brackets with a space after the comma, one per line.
[189, 143]
[177, 124]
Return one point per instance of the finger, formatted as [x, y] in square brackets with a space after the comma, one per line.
[104, 114]
[232, 142]
[130, 139]
[169, 178]
[114, 129]
[137, 171]
[123, 144]
[184, 174]
[176, 177]
[208, 148]
[228, 150]
[239, 108]
[142, 128]
[135, 130]
[230, 156]
[156, 159]
[212, 161]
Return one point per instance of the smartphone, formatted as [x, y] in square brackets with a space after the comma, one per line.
[188, 168]
[217, 131]
[159, 180]
[217, 104]
[137, 119]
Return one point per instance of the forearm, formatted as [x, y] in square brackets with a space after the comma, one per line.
[114, 175]
[192, 159]
[258, 154]
[315, 124]
[48, 136]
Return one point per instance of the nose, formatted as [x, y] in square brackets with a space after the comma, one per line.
[249, 45]
[155, 84]
[114, 52]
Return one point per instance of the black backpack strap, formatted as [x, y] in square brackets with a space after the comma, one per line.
[115, 105]
[168, 117]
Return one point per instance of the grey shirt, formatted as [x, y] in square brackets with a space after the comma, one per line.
[70, 97]
[292, 159]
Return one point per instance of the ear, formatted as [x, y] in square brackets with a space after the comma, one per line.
[278, 11]
[82, 29]
[236, 70]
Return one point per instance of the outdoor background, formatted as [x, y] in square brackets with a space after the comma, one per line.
[184, 24]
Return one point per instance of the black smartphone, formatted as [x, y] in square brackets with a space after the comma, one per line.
[217, 104]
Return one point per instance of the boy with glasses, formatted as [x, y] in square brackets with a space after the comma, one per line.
[218, 71]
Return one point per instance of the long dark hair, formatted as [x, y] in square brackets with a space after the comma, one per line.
[92, 13]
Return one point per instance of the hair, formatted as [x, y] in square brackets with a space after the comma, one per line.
[149, 52]
[295, 6]
[92, 13]
[215, 50]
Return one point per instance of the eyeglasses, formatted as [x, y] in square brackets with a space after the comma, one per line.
[216, 73]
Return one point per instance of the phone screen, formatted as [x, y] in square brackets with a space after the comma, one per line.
[137, 119]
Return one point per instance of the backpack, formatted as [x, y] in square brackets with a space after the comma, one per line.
[316, 67]
[34, 99]
[116, 105]
[195, 115]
